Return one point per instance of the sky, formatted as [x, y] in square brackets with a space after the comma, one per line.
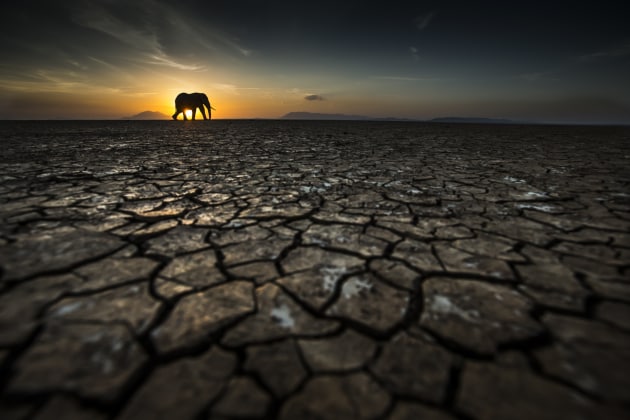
[539, 61]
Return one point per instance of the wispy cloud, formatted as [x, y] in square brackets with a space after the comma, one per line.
[614, 52]
[140, 38]
[231, 88]
[165, 61]
[209, 38]
[536, 76]
[414, 53]
[104, 63]
[407, 79]
[423, 21]
[164, 38]
[314, 97]
[224, 87]
[62, 81]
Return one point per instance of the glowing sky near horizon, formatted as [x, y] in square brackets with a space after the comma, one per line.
[532, 61]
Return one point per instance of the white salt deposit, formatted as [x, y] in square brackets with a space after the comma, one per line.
[354, 286]
[514, 180]
[282, 316]
[69, 308]
[331, 276]
[540, 207]
[443, 305]
[536, 194]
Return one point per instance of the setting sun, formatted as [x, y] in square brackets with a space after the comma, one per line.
[189, 114]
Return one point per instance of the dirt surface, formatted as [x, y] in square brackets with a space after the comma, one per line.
[314, 270]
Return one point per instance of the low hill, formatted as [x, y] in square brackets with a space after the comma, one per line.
[473, 120]
[148, 115]
[344, 117]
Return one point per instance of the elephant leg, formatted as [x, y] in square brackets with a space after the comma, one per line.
[176, 114]
[203, 112]
[194, 113]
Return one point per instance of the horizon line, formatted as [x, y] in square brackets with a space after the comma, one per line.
[364, 119]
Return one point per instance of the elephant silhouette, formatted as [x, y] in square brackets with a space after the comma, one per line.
[192, 101]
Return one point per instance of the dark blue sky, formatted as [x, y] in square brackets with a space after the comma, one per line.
[536, 61]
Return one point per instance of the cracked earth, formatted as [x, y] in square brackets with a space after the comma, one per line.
[314, 270]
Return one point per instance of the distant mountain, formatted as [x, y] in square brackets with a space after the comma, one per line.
[345, 117]
[472, 120]
[148, 115]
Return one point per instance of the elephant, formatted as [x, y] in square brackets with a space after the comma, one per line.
[192, 101]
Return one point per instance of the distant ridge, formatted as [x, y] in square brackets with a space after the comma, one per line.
[472, 120]
[148, 115]
[345, 117]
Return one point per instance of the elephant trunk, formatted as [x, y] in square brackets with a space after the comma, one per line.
[206, 102]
